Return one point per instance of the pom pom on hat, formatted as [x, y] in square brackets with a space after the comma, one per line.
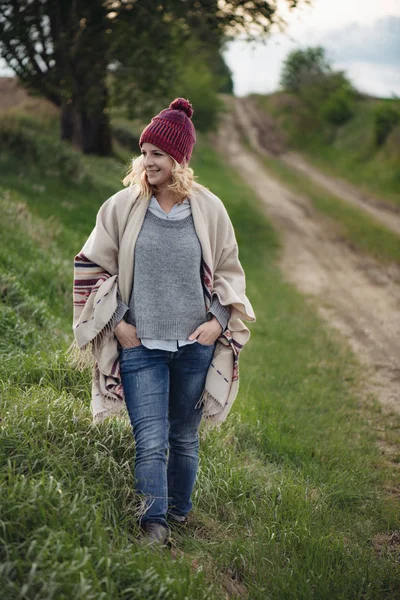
[182, 104]
[172, 130]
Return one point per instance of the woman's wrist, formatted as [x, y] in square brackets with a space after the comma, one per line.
[215, 320]
[119, 326]
[221, 313]
[126, 334]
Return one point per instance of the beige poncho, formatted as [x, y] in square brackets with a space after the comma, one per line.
[104, 268]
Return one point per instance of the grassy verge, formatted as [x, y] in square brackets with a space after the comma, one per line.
[349, 151]
[291, 496]
[360, 230]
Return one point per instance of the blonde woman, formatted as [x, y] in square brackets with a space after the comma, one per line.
[159, 296]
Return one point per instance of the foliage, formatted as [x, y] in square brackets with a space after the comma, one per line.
[196, 72]
[145, 59]
[124, 136]
[145, 81]
[326, 96]
[64, 49]
[35, 148]
[387, 116]
[321, 89]
[196, 80]
[338, 108]
[302, 67]
[392, 150]
[222, 73]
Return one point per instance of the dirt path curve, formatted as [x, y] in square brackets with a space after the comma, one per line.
[355, 294]
[250, 117]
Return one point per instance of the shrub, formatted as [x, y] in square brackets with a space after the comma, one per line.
[40, 150]
[125, 137]
[326, 95]
[338, 108]
[392, 147]
[386, 118]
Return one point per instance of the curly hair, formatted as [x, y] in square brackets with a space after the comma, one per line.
[183, 180]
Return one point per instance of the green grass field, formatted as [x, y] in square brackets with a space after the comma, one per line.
[294, 499]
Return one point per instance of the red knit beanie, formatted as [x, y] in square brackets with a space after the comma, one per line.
[172, 130]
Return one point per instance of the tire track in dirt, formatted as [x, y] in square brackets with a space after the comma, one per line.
[354, 293]
[260, 127]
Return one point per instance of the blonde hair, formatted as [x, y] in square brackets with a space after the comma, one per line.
[183, 180]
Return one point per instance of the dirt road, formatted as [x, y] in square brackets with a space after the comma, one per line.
[354, 293]
[259, 127]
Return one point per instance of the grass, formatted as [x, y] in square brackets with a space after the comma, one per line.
[349, 151]
[291, 492]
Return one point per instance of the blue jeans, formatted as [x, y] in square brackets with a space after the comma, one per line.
[161, 391]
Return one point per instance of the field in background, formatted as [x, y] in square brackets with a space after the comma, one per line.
[348, 151]
[293, 500]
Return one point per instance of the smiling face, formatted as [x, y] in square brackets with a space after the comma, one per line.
[158, 166]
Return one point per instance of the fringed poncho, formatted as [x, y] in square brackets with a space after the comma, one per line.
[104, 272]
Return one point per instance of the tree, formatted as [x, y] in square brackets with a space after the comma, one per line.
[145, 60]
[326, 95]
[60, 50]
[191, 68]
[64, 48]
[303, 67]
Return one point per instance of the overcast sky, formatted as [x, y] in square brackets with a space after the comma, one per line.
[361, 37]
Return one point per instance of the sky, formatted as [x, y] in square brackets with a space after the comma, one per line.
[361, 37]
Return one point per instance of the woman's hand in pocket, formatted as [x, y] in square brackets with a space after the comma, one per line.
[126, 335]
[207, 333]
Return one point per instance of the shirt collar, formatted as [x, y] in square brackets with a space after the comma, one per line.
[154, 204]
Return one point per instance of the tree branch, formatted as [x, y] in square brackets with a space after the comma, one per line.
[39, 28]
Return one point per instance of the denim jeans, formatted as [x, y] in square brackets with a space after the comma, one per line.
[161, 391]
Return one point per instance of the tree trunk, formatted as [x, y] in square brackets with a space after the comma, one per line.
[67, 123]
[90, 121]
[92, 133]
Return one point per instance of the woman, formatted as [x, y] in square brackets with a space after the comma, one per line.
[159, 298]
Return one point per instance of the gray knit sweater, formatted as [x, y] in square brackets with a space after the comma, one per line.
[167, 300]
